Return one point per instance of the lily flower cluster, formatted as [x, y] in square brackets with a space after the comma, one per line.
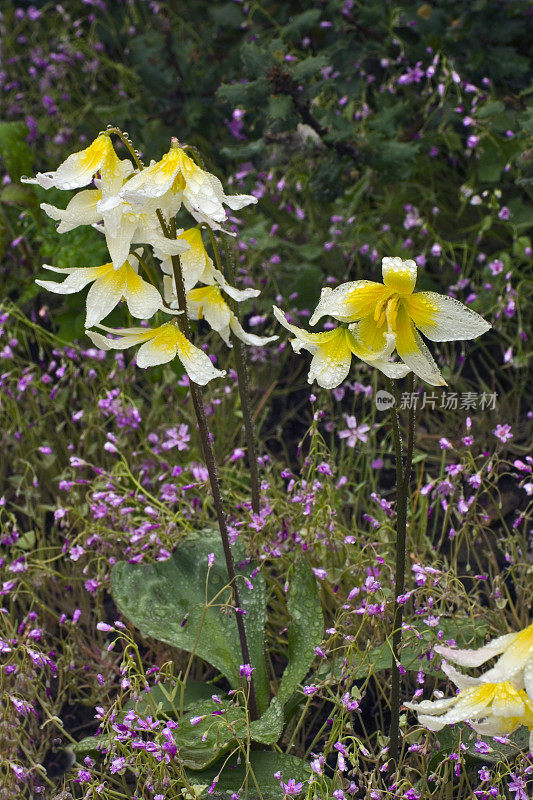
[380, 318]
[132, 206]
[496, 702]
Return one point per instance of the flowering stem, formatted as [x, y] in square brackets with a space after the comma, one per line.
[403, 474]
[206, 439]
[128, 144]
[241, 368]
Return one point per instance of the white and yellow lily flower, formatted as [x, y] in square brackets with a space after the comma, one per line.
[202, 192]
[206, 302]
[393, 307]
[515, 665]
[332, 352]
[490, 708]
[158, 346]
[109, 287]
[80, 168]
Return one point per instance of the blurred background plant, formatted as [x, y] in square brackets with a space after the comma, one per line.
[365, 129]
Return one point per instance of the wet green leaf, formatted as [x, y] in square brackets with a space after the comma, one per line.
[166, 600]
[305, 631]
[263, 765]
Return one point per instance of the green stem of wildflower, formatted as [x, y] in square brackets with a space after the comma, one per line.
[403, 475]
[241, 367]
[197, 398]
[127, 143]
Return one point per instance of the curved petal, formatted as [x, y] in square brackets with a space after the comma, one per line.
[444, 319]
[119, 242]
[310, 341]
[494, 726]
[349, 301]
[432, 723]
[239, 295]
[399, 275]
[201, 217]
[511, 664]
[234, 201]
[330, 364]
[474, 658]
[460, 680]
[78, 278]
[207, 302]
[82, 210]
[198, 365]
[432, 706]
[249, 338]
[103, 296]
[142, 298]
[155, 180]
[414, 352]
[160, 348]
[392, 370]
[507, 703]
[126, 340]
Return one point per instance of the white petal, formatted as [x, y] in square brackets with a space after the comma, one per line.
[444, 319]
[303, 339]
[167, 247]
[105, 343]
[142, 298]
[432, 706]
[156, 351]
[239, 295]
[77, 279]
[392, 370]
[82, 210]
[474, 658]
[102, 298]
[200, 217]
[119, 243]
[198, 365]
[349, 301]
[330, 365]
[432, 723]
[249, 338]
[44, 179]
[460, 680]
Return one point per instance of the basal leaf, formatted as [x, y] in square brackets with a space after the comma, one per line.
[166, 600]
[306, 629]
[267, 729]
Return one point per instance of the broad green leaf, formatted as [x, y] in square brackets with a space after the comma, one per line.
[306, 629]
[267, 729]
[263, 765]
[256, 61]
[302, 22]
[279, 106]
[201, 743]
[166, 600]
[307, 67]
